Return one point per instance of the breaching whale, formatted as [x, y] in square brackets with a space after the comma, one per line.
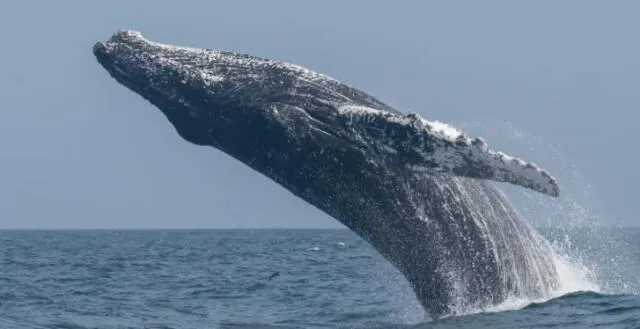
[416, 190]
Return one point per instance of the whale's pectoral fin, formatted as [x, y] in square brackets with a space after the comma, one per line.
[476, 160]
[436, 148]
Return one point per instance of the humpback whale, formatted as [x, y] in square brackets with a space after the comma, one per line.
[420, 192]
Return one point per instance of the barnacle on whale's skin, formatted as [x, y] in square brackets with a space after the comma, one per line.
[414, 189]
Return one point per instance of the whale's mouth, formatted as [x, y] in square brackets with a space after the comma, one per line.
[101, 51]
[104, 53]
[104, 50]
[127, 56]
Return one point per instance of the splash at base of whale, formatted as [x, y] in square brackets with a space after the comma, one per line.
[414, 189]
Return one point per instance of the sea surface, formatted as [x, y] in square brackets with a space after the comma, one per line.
[275, 279]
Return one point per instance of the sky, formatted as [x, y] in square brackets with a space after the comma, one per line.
[556, 82]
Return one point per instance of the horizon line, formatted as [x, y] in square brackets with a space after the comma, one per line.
[257, 228]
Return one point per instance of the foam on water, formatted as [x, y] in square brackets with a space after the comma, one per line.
[574, 277]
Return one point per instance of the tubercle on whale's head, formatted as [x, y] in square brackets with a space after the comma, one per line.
[126, 55]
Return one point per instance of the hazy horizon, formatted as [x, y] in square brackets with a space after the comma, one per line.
[335, 228]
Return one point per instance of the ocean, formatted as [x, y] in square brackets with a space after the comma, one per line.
[271, 278]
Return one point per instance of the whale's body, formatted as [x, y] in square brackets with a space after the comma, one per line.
[414, 189]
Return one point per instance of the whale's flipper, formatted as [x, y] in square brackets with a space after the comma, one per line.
[434, 147]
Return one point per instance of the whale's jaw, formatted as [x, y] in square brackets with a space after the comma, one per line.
[399, 181]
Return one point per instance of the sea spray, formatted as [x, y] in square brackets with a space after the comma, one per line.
[573, 224]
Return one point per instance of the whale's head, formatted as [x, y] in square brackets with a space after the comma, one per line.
[244, 105]
[278, 118]
[200, 91]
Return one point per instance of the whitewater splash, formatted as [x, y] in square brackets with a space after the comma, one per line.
[574, 273]
[573, 276]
